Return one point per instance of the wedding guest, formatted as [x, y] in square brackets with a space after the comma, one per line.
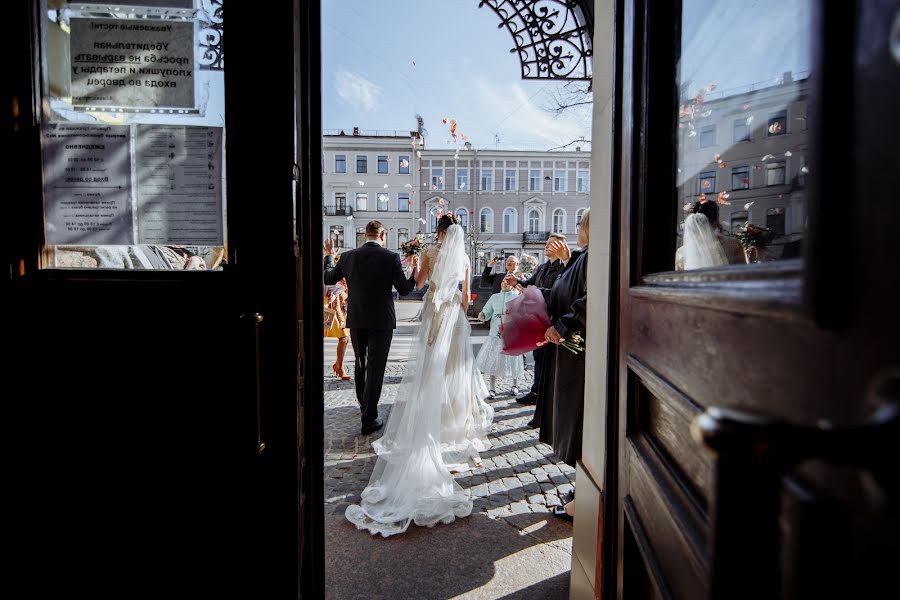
[335, 305]
[491, 361]
[495, 279]
[544, 277]
[563, 385]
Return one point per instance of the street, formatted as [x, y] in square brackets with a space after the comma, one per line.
[510, 547]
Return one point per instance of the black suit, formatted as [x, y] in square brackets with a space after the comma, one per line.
[543, 277]
[371, 271]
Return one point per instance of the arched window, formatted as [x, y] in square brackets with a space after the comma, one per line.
[433, 219]
[559, 220]
[510, 220]
[533, 220]
[463, 215]
[486, 220]
[578, 214]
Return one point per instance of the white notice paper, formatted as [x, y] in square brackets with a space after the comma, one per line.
[179, 185]
[132, 63]
[87, 184]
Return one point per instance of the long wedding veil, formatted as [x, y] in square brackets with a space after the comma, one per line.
[438, 422]
[701, 247]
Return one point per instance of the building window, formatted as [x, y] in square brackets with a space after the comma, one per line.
[382, 164]
[707, 182]
[360, 236]
[437, 179]
[340, 200]
[534, 181]
[559, 181]
[340, 163]
[403, 202]
[509, 181]
[336, 235]
[559, 221]
[362, 163]
[383, 201]
[775, 219]
[578, 214]
[775, 173]
[510, 217]
[738, 220]
[583, 181]
[462, 179]
[486, 221]
[403, 166]
[707, 136]
[362, 199]
[741, 131]
[487, 181]
[777, 123]
[740, 178]
[402, 236]
[533, 220]
[463, 215]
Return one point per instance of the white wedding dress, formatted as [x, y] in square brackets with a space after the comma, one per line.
[439, 421]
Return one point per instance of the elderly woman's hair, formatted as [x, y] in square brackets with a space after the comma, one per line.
[586, 219]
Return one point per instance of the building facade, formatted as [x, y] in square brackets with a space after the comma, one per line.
[508, 201]
[369, 175]
[746, 149]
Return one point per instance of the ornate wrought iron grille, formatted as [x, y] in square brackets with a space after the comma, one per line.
[552, 37]
[212, 35]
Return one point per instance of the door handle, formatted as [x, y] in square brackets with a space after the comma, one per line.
[255, 319]
[753, 453]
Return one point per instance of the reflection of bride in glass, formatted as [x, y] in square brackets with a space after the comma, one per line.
[439, 422]
[704, 246]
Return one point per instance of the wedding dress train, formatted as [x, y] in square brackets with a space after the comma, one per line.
[439, 421]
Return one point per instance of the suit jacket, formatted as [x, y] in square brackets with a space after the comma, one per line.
[494, 279]
[371, 272]
[545, 275]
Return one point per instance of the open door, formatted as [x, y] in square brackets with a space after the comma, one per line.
[757, 395]
[155, 425]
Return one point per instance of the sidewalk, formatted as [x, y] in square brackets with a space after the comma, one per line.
[510, 547]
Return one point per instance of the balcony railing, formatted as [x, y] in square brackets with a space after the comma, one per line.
[338, 211]
[535, 237]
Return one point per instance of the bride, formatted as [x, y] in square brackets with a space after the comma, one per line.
[439, 421]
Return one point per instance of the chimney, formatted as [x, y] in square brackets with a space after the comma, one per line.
[356, 131]
[787, 77]
[577, 148]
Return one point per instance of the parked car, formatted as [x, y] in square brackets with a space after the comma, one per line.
[480, 297]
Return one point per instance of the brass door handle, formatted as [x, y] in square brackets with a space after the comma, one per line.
[256, 319]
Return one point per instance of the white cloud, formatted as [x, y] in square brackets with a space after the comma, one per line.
[357, 91]
[522, 121]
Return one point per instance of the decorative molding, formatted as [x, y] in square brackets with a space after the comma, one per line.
[212, 35]
[552, 37]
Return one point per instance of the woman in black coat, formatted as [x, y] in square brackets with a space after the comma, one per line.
[563, 385]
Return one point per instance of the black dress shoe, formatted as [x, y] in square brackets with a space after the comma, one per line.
[529, 398]
[375, 425]
[533, 424]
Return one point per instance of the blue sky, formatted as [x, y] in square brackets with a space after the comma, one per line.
[386, 60]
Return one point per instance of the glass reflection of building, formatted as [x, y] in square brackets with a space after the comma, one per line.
[746, 149]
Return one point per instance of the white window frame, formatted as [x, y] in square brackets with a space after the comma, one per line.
[344, 156]
[560, 180]
[583, 181]
[558, 212]
[536, 211]
[464, 221]
[507, 178]
[489, 212]
[534, 180]
[403, 204]
[509, 210]
[489, 176]
[437, 173]
[387, 201]
[356, 197]
[462, 178]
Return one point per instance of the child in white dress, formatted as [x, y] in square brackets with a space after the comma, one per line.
[491, 361]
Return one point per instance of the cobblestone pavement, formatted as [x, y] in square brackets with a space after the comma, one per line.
[525, 552]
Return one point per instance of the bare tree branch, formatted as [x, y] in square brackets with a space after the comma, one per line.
[582, 140]
[569, 95]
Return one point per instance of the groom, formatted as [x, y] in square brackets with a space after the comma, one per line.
[371, 270]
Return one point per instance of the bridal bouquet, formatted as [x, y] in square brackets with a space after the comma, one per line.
[754, 236]
[413, 247]
[573, 342]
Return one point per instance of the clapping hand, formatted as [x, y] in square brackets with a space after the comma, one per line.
[559, 249]
[328, 248]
